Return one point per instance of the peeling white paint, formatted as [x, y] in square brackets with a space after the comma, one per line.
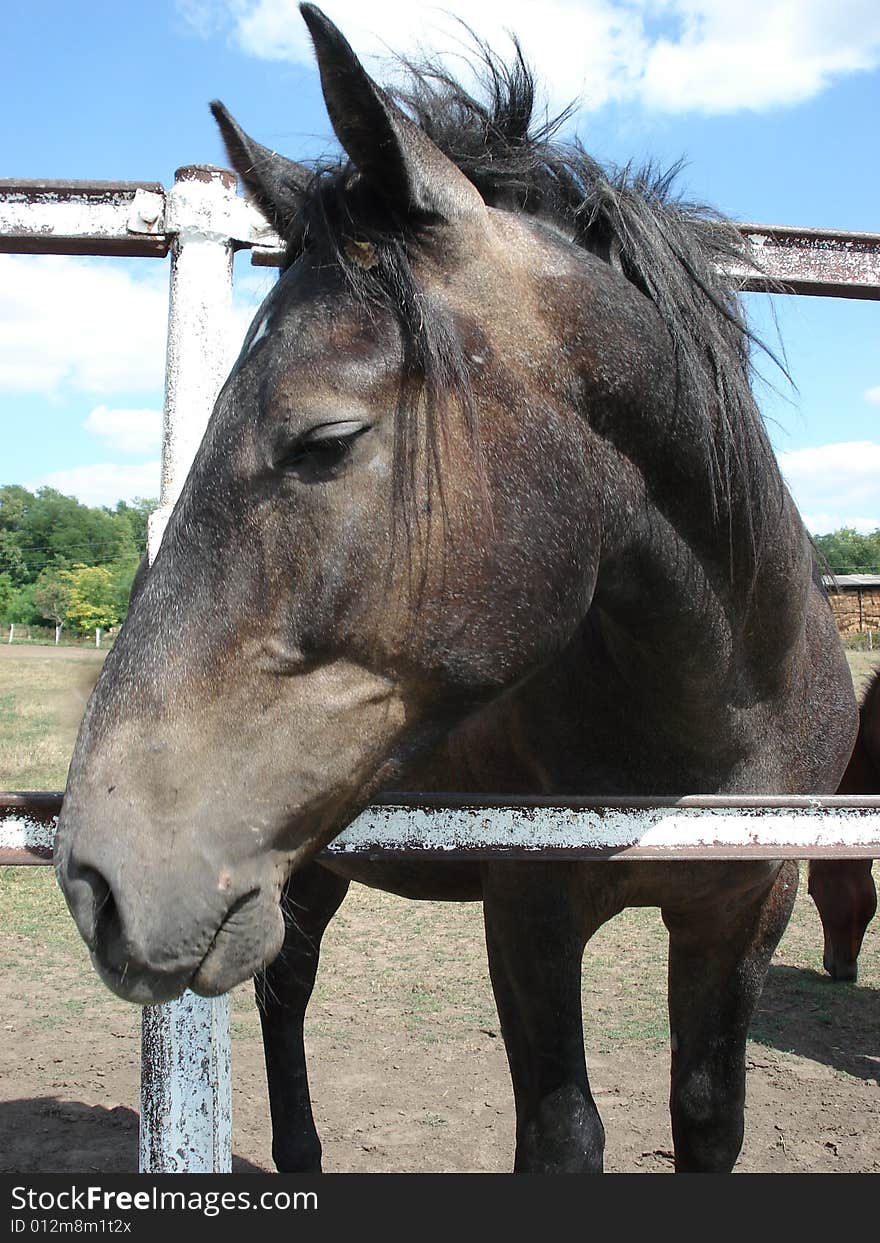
[147, 213]
[839, 264]
[87, 216]
[25, 833]
[186, 1097]
[758, 830]
[761, 831]
[186, 1093]
[200, 340]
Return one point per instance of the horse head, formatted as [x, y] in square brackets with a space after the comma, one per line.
[392, 517]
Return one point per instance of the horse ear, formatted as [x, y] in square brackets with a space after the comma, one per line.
[389, 150]
[276, 184]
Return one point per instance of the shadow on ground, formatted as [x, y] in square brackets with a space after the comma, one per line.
[806, 1012]
[47, 1135]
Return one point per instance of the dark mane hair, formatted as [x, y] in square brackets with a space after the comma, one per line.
[670, 249]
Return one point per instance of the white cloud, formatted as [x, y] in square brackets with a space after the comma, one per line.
[127, 431]
[835, 485]
[824, 524]
[94, 325]
[757, 54]
[672, 55]
[872, 395]
[88, 325]
[104, 484]
[606, 36]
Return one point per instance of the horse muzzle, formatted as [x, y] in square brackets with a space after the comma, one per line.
[152, 934]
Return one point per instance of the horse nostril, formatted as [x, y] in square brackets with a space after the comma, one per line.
[91, 902]
[109, 939]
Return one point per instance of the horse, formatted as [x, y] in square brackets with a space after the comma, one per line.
[485, 505]
[843, 889]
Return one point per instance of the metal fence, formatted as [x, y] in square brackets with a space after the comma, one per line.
[200, 222]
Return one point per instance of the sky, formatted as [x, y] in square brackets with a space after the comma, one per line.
[772, 104]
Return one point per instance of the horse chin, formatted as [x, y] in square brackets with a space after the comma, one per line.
[249, 938]
[143, 987]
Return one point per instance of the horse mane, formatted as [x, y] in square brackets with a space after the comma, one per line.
[672, 250]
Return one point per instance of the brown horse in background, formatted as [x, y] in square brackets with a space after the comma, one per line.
[844, 890]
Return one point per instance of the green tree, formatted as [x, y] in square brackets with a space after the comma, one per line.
[12, 558]
[52, 594]
[123, 572]
[22, 609]
[7, 598]
[80, 535]
[847, 551]
[14, 502]
[136, 514]
[92, 604]
[17, 603]
[43, 533]
[42, 527]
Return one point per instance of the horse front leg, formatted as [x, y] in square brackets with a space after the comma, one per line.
[311, 898]
[846, 899]
[535, 942]
[718, 961]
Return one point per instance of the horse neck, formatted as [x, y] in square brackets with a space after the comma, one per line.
[718, 588]
[694, 657]
[659, 689]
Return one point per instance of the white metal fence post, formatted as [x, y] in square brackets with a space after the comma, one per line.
[186, 1093]
[186, 1087]
[199, 217]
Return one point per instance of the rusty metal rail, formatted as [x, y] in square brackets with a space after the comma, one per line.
[826, 262]
[124, 218]
[779, 259]
[133, 218]
[74, 217]
[27, 826]
[453, 827]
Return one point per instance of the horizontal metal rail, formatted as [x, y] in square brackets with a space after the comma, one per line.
[456, 827]
[83, 218]
[778, 259]
[27, 826]
[825, 262]
[127, 218]
[130, 218]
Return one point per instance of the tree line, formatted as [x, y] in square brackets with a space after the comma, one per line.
[848, 552]
[67, 564]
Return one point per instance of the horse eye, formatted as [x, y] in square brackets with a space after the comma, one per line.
[323, 449]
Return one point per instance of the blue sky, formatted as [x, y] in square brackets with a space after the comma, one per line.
[772, 103]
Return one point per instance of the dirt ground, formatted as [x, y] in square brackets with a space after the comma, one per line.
[407, 1066]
